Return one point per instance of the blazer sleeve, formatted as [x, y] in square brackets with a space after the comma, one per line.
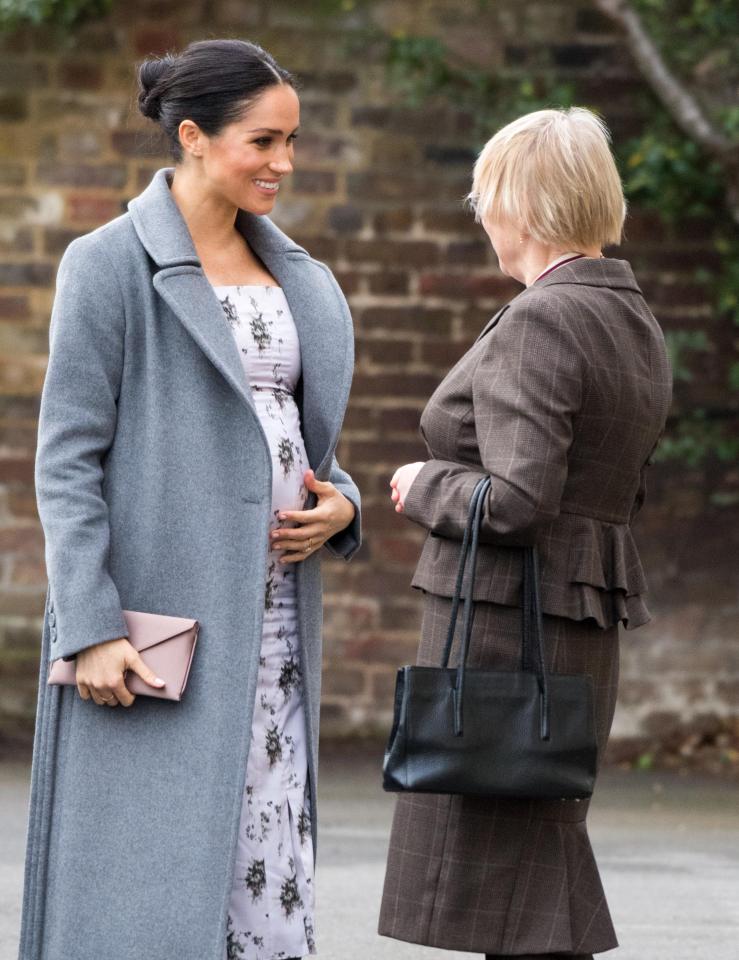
[526, 392]
[346, 542]
[77, 422]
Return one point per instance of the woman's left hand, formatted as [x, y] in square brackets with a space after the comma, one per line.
[332, 513]
[401, 483]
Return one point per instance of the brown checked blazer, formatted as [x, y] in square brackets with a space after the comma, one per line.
[561, 400]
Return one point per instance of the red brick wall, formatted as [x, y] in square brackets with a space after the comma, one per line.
[377, 195]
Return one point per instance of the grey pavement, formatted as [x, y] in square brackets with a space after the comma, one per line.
[667, 846]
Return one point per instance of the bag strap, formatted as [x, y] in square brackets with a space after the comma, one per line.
[469, 610]
[532, 628]
[536, 639]
[481, 488]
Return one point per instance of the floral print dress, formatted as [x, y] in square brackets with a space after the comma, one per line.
[270, 914]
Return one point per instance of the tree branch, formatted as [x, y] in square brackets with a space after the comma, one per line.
[678, 100]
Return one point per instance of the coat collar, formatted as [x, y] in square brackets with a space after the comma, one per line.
[320, 313]
[586, 272]
[592, 272]
[164, 234]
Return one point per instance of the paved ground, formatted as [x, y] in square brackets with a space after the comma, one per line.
[668, 848]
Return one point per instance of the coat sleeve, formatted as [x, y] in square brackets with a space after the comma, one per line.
[77, 422]
[526, 391]
[346, 542]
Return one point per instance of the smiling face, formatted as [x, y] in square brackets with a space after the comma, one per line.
[246, 161]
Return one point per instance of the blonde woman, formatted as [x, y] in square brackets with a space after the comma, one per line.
[560, 400]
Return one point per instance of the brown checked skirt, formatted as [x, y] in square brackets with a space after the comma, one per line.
[506, 878]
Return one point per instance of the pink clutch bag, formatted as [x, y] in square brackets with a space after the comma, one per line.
[166, 645]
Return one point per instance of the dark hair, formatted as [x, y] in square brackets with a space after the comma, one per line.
[211, 83]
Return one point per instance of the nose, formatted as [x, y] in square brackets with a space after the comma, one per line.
[281, 165]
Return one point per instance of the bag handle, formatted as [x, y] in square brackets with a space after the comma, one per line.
[480, 489]
[532, 631]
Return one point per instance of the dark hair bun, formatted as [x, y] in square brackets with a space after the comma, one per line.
[151, 74]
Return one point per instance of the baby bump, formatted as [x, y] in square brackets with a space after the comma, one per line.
[281, 421]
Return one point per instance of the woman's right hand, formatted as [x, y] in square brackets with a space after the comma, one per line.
[100, 671]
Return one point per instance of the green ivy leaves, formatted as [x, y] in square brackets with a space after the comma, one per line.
[59, 13]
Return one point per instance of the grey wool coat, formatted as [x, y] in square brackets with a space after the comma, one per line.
[153, 481]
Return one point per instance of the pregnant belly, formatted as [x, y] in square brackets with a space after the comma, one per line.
[281, 423]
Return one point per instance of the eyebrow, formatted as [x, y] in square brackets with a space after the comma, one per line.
[269, 130]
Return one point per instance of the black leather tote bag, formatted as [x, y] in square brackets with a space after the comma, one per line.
[514, 734]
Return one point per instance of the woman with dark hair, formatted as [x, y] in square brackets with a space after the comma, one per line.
[199, 368]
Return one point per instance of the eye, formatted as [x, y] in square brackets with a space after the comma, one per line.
[266, 141]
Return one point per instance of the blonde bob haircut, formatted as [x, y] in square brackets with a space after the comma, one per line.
[552, 174]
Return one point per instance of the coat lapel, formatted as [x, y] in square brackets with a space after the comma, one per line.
[320, 314]
[326, 350]
[192, 299]
[491, 323]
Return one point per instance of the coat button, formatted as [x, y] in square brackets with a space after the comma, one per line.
[52, 617]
